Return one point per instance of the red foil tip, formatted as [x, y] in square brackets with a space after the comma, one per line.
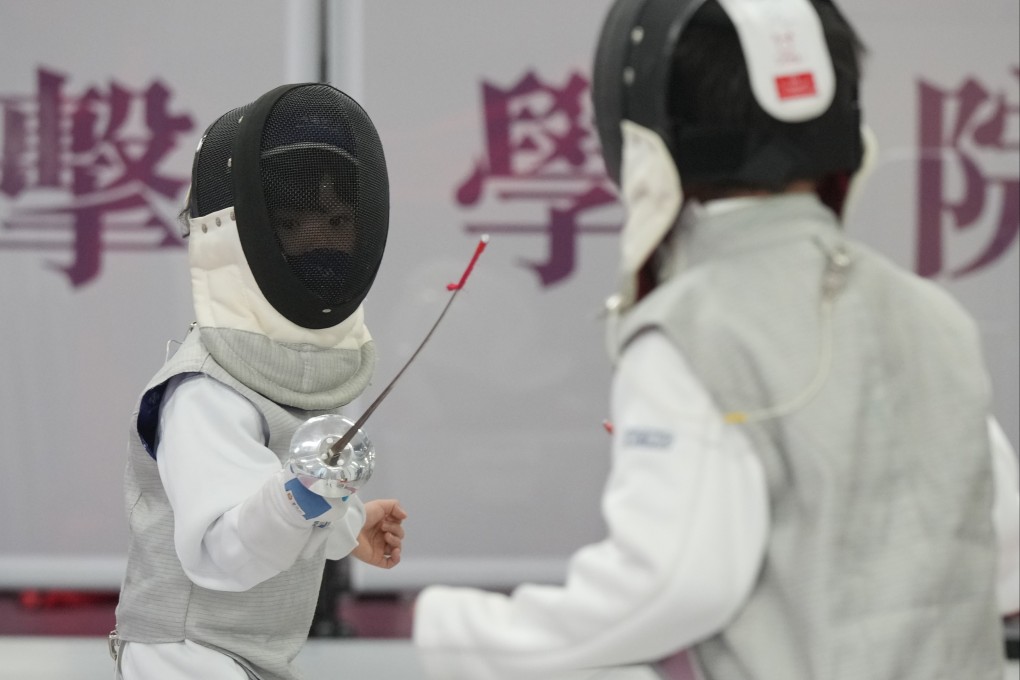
[484, 241]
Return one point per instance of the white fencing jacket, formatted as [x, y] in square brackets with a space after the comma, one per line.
[641, 594]
[207, 463]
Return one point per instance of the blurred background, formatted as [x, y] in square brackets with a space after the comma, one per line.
[493, 439]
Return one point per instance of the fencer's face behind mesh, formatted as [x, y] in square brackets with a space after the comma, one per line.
[313, 183]
[313, 216]
[306, 173]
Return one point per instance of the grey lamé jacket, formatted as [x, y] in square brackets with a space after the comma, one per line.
[881, 561]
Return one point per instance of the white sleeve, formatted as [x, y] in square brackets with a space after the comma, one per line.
[216, 470]
[1006, 515]
[344, 536]
[686, 507]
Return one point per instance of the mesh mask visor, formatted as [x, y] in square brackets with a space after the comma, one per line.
[311, 195]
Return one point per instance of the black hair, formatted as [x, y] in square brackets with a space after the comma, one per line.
[710, 86]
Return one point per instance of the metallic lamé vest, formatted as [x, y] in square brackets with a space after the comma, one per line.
[265, 627]
[880, 563]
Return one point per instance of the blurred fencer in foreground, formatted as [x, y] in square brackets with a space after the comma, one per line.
[807, 482]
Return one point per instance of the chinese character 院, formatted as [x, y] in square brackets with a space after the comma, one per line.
[970, 138]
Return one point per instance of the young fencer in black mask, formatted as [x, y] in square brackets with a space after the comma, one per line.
[286, 226]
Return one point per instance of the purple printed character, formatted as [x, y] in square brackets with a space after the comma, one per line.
[89, 165]
[541, 147]
[971, 133]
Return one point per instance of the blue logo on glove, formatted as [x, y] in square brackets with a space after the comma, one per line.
[311, 504]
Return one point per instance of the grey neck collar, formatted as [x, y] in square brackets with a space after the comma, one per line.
[298, 375]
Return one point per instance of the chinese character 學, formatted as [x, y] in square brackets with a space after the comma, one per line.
[541, 147]
[78, 164]
[972, 133]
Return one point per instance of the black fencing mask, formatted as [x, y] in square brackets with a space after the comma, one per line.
[303, 169]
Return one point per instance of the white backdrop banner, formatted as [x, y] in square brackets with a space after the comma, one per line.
[101, 107]
[493, 439]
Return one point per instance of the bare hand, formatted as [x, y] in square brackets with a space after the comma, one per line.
[381, 538]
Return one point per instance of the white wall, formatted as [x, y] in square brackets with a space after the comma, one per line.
[493, 439]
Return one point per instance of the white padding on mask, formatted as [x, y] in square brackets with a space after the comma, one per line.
[787, 57]
[652, 196]
[226, 294]
[869, 158]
